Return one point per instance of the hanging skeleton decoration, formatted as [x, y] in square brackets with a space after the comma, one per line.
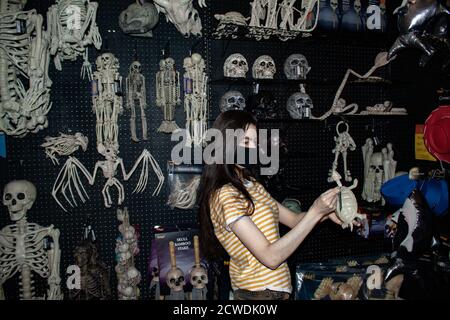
[296, 67]
[107, 99]
[198, 276]
[379, 167]
[94, 274]
[139, 19]
[24, 59]
[235, 66]
[64, 145]
[347, 206]
[175, 277]
[299, 105]
[232, 100]
[343, 142]
[264, 68]
[183, 15]
[24, 247]
[135, 91]
[168, 93]
[68, 179]
[195, 99]
[72, 29]
[128, 277]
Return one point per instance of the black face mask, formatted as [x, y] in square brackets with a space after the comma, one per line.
[250, 157]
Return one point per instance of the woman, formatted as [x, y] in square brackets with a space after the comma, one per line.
[237, 214]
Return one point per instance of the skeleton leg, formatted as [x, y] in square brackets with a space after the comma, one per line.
[347, 173]
[54, 291]
[143, 120]
[106, 196]
[133, 123]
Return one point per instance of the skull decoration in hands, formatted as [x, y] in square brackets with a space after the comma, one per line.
[299, 105]
[296, 67]
[19, 197]
[232, 100]
[139, 19]
[235, 66]
[175, 279]
[263, 105]
[264, 68]
[199, 278]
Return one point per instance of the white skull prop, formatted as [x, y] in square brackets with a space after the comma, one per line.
[139, 19]
[199, 278]
[376, 163]
[175, 279]
[296, 67]
[264, 68]
[107, 61]
[297, 105]
[235, 66]
[182, 14]
[19, 197]
[232, 100]
[357, 6]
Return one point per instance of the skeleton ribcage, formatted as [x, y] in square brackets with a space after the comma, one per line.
[67, 10]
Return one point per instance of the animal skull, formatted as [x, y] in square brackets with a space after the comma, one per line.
[296, 67]
[199, 278]
[175, 279]
[19, 197]
[235, 66]
[232, 100]
[297, 105]
[139, 19]
[264, 68]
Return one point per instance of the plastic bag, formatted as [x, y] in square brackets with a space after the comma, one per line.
[183, 183]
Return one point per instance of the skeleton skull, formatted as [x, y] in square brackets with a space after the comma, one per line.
[298, 105]
[296, 67]
[264, 68]
[376, 163]
[334, 4]
[19, 197]
[139, 19]
[235, 66]
[357, 6]
[175, 279]
[232, 100]
[182, 14]
[135, 67]
[199, 278]
[107, 61]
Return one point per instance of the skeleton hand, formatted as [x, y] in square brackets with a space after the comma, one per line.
[54, 291]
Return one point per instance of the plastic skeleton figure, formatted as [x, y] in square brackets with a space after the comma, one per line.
[195, 99]
[64, 145]
[128, 277]
[23, 58]
[343, 142]
[69, 180]
[135, 90]
[107, 99]
[168, 93]
[22, 245]
[72, 28]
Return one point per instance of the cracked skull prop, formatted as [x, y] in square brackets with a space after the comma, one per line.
[139, 19]
[235, 66]
[182, 14]
[299, 105]
[232, 100]
[264, 68]
[19, 197]
[296, 67]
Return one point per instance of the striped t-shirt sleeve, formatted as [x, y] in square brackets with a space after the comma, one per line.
[234, 205]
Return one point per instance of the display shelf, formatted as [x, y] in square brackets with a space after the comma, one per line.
[288, 82]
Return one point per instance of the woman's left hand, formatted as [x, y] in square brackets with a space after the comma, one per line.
[333, 217]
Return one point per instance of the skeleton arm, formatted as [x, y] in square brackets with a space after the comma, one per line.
[144, 94]
[129, 93]
[54, 255]
[94, 35]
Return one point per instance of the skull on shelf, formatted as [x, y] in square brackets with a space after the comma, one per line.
[264, 68]
[199, 278]
[139, 19]
[296, 67]
[235, 66]
[299, 105]
[19, 197]
[175, 279]
[232, 100]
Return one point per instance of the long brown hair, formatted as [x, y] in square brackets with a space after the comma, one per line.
[215, 176]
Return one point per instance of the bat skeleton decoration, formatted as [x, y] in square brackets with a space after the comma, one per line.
[69, 180]
[64, 145]
[198, 276]
[175, 277]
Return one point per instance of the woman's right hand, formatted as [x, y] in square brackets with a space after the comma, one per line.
[325, 203]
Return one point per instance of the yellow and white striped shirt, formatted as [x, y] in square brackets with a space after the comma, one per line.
[227, 205]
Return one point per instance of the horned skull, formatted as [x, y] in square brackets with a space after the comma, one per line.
[296, 67]
[264, 68]
[235, 66]
[299, 105]
[175, 279]
[139, 19]
[232, 100]
[199, 278]
[19, 197]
